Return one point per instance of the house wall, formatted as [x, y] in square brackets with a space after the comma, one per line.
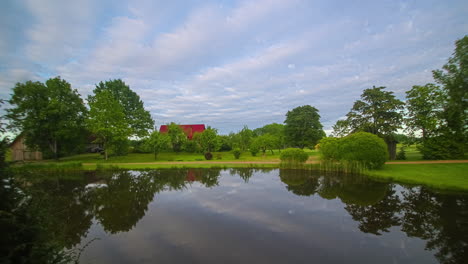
[20, 152]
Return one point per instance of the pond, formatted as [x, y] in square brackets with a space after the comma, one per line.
[249, 216]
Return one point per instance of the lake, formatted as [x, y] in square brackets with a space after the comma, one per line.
[249, 216]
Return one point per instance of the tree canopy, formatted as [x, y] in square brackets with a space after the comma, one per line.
[107, 120]
[303, 127]
[137, 117]
[51, 116]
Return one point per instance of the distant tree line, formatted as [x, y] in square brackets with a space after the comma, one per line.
[54, 119]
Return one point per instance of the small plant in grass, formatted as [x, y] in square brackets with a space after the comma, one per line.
[293, 156]
[254, 150]
[401, 155]
[236, 152]
[208, 156]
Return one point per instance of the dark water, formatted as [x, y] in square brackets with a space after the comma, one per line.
[250, 216]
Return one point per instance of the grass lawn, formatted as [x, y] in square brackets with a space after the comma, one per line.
[171, 156]
[441, 176]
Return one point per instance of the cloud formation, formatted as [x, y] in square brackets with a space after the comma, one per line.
[229, 64]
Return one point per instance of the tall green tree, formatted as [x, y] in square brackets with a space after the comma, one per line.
[303, 127]
[454, 79]
[51, 116]
[177, 136]
[209, 140]
[276, 131]
[378, 112]
[137, 117]
[264, 142]
[158, 142]
[107, 120]
[425, 109]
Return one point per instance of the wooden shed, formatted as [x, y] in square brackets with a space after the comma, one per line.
[20, 152]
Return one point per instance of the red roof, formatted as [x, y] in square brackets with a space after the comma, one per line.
[189, 130]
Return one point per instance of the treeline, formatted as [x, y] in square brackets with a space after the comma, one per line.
[54, 119]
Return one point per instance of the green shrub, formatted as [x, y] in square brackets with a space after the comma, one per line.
[236, 152]
[357, 151]
[441, 148]
[254, 150]
[293, 155]
[208, 156]
[401, 155]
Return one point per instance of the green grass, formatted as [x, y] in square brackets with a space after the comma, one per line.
[441, 176]
[171, 156]
[412, 154]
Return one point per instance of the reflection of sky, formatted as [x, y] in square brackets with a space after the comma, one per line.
[254, 222]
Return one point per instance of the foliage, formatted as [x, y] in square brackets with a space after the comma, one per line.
[244, 138]
[158, 142]
[362, 148]
[264, 142]
[177, 136]
[51, 116]
[225, 142]
[209, 140]
[2, 124]
[274, 129]
[254, 149]
[192, 146]
[293, 155]
[439, 148]
[236, 152]
[107, 121]
[341, 128]
[303, 127]
[208, 156]
[401, 155]
[136, 116]
[425, 106]
[454, 79]
[378, 112]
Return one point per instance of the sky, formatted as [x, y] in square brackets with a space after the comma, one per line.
[227, 64]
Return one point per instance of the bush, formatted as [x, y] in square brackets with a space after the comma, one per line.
[360, 149]
[236, 152]
[293, 155]
[401, 155]
[441, 148]
[254, 150]
[208, 156]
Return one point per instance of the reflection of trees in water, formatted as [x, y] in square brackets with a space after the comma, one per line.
[440, 219]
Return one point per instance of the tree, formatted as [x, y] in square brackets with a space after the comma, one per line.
[303, 127]
[209, 141]
[341, 128]
[50, 116]
[177, 136]
[137, 117]
[378, 112]
[157, 142]
[274, 129]
[107, 120]
[245, 137]
[425, 106]
[264, 142]
[454, 79]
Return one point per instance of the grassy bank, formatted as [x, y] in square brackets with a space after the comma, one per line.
[441, 176]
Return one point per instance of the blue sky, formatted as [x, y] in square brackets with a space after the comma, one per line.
[231, 63]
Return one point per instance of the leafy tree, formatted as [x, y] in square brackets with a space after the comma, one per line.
[209, 140]
[454, 79]
[2, 124]
[177, 136]
[274, 129]
[107, 120]
[226, 143]
[136, 116]
[245, 137]
[158, 142]
[379, 112]
[51, 116]
[341, 128]
[425, 106]
[264, 142]
[303, 127]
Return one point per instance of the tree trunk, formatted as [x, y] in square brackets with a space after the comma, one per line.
[391, 147]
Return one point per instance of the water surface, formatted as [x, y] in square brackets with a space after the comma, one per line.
[251, 216]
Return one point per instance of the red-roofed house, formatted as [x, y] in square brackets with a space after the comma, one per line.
[189, 130]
